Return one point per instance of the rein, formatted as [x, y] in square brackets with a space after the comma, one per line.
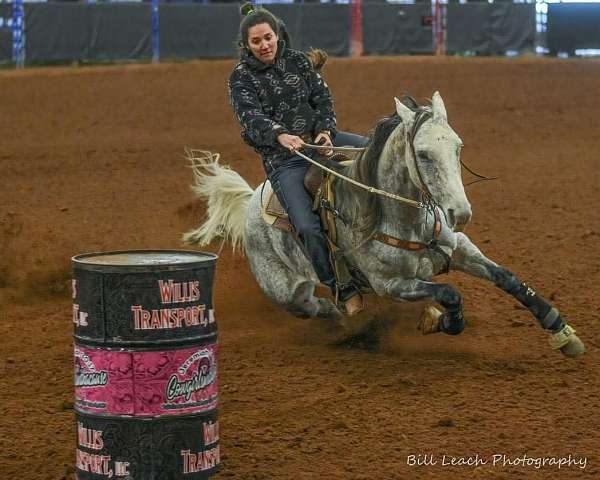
[422, 116]
[335, 149]
[481, 177]
[408, 201]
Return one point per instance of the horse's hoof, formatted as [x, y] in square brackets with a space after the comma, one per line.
[574, 348]
[430, 321]
[567, 342]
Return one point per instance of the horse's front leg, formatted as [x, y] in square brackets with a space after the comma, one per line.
[469, 259]
[451, 321]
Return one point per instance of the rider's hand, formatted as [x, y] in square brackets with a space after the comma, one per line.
[290, 142]
[324, 139]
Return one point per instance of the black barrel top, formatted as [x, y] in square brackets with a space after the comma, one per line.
[146, 298]
[145, 260]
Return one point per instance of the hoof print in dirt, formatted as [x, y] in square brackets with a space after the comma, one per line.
[368, 340]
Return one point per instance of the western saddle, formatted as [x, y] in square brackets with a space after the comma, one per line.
[319, 185]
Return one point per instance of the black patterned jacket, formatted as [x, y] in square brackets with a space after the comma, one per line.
[285, 97]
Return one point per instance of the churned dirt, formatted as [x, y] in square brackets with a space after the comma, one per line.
[93, 159]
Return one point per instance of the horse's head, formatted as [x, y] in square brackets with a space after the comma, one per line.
[432, 153]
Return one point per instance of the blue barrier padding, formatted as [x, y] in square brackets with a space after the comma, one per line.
[18, 32]
[155, 31]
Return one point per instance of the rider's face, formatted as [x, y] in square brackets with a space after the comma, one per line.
[262, 41]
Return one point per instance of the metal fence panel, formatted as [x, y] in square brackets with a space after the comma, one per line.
[101, 32]
[513, 27]
[397, 29]
[192, 31]
[490, 28]
[317, 25]
[573, 26]
[5, 34]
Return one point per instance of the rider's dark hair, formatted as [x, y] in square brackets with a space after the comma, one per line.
[255, 16]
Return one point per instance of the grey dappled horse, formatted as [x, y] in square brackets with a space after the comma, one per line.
[396, 247]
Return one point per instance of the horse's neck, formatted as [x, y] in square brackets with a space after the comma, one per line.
[382, 214]
[393, 176]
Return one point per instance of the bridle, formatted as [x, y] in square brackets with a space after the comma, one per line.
[422, 115]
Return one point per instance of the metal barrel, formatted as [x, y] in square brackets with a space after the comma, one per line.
[146, 365]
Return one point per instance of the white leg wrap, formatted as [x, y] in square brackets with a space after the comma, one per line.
[567, 342]
[561, 338]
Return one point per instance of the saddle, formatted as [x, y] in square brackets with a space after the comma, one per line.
[319, 185]
[273, 212]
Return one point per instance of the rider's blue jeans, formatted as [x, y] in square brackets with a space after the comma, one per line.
[288, 184]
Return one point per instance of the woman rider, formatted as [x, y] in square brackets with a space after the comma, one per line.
[280, 102]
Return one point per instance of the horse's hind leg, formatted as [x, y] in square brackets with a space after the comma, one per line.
[469, 259]
[305, 304]
[289, 290]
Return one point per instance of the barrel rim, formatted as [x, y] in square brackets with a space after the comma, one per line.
[167, 418]
[148, 345]
[79, 260]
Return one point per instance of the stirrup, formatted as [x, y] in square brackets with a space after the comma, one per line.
[352, 304]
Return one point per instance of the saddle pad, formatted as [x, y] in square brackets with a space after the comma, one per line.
[273, 205]
[271, 214]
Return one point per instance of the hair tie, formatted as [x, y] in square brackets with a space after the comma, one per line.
[250, 12]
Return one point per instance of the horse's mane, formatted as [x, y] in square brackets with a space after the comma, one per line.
[366, 206]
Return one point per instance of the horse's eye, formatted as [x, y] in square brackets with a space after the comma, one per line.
[425, 157]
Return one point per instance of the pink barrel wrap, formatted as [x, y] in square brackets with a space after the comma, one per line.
[171, 382]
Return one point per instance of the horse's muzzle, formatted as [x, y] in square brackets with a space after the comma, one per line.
[458, 221]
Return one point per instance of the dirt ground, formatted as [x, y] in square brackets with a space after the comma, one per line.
[93, 159]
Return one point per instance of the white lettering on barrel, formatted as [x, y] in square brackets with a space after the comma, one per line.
[79, 317]
[90, 462]
[211, 432]
[179, 292]
[170, 318]
[89, 438]
[121, 469]
[198, 462]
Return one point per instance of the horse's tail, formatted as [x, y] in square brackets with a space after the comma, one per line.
[227, 195]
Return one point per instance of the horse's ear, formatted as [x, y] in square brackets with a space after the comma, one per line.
[439, 109]
[405, 113]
